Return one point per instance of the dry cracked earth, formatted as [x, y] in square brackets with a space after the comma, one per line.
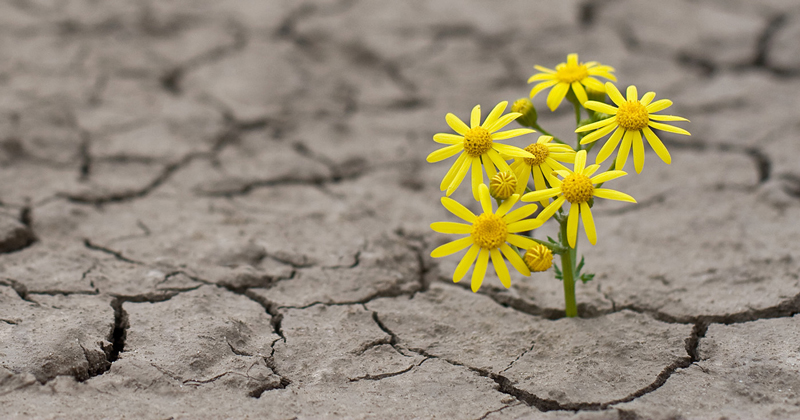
[221, 208]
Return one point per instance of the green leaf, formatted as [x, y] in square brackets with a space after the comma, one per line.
[559, 275]
[585, 278]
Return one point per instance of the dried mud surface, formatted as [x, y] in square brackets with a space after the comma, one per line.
[220, 209]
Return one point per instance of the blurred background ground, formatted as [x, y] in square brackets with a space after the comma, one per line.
[221, 209]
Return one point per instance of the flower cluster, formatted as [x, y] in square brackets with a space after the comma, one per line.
[505, 234]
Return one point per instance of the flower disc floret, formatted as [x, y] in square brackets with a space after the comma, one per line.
[540, 153]
[489, 231]
[632, 115]
[477, 141]
[577, 188]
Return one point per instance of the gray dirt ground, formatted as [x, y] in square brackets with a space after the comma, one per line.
[220, 209]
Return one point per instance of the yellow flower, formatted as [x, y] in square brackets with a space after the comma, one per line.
[631, 118]
[538, 258]
[489, 235]
[479, 147]
[570, 74]
[544, 161]
[578, 188]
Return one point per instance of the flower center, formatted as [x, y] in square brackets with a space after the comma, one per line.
[577, 188]
[489, 231]
[503, 185]
[477, 141]
[632, 115]
[569, 72]
[539, 152]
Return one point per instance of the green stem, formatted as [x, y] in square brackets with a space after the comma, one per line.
[567, 271]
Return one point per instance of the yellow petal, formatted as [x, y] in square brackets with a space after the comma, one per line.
[659, 105]
[503, 121]
[479, 272]
[542, 86]
[594, 84]
[556, 95]
[594, 136]
[475, 117]
[541, 195]
[590, 170]
[607, 176]
[444, 153]
[657, 145]
[633, 95]
[551, 209]
[610, 145]
[446, 138]
[451, 227]
[580, 93]
[572, 225]
[647, 98]
[500, 268]
[638, 151]
[520, 213]
[458, 209]
[580, 161]
[544, 69]
[518, 241]
[502, 135]
[465, 263]
[485, 198]
[501, 164]
[523, 173]
[588, 223]
[595, 125]
[456, 124]
[666, 127]
[448, 178]
[512, 151]
[600, 107]
[495, 114]
[613, 195]
[515, 260]
[489, 166]
[507, 204]
[624, 150]
[452, 247]
[524, 225]
[614, 94]
[462, 172]
[654, 117]
[538, 183]
[541, 76]
[477, 176]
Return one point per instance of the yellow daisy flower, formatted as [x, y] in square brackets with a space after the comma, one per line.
[544, 161]
[572, 74]
[479, 147]
[578, 188]
[631, 118]
[489, 236]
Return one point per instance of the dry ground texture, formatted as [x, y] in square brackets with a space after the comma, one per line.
[220, 209]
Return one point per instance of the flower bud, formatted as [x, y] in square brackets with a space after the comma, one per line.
[538, 258]
[525, 107]
[503, 185]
